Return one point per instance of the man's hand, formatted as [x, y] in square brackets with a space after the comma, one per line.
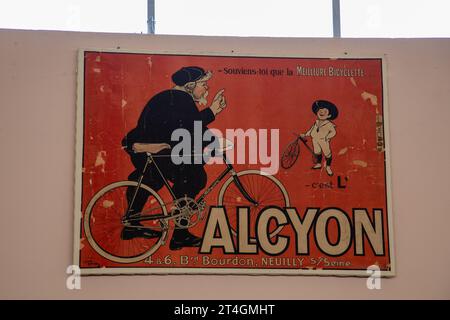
[218, 103]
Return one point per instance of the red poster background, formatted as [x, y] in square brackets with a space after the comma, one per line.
[118, 85]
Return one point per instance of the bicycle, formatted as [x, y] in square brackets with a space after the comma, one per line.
[292, 151]
[106, 212]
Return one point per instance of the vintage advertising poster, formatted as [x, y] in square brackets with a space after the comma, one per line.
[232, 164]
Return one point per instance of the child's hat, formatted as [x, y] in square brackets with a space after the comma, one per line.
[323, 104]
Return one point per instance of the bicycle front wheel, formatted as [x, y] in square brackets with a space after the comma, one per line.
[103, 224]
[266, 190]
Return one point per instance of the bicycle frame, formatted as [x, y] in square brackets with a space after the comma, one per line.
[229, 169]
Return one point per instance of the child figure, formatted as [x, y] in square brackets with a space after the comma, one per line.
[322, 131]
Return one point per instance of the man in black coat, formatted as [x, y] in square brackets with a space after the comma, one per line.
[167, 111]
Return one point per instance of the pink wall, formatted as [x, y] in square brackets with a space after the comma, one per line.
[37, 134]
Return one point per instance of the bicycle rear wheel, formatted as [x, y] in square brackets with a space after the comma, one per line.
[265, 189]
[103, 224]
[290, 155]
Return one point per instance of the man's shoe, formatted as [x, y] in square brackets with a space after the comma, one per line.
[329, 171]
[182, 238]
[129, 233]
[317, 166]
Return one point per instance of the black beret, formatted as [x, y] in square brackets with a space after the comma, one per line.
[323, 104]
[187, 74]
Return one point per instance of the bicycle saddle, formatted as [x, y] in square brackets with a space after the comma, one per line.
[149, 147]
